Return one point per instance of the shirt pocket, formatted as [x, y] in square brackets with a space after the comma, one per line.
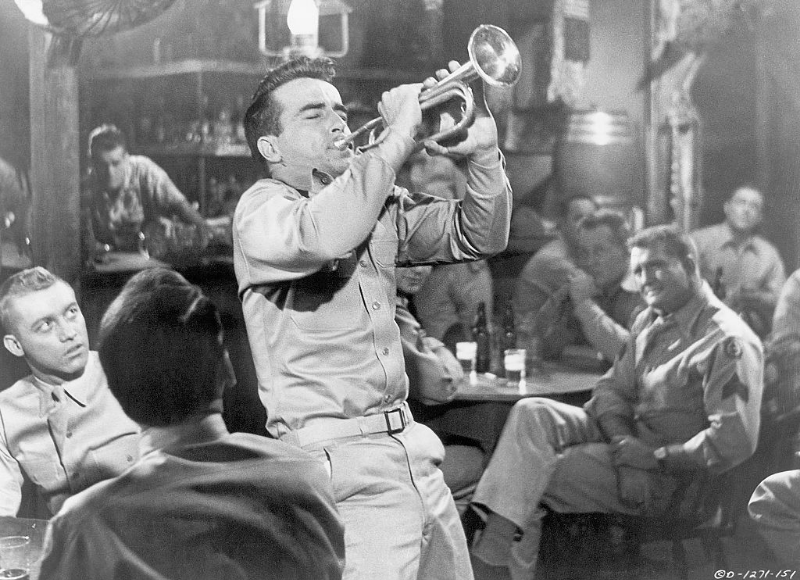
[325, 302]
[112, 458]
[384, 251]
[43, 471]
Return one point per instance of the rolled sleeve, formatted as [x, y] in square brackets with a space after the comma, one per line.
[158, 185]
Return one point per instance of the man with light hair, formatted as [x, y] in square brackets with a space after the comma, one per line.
[60, 426]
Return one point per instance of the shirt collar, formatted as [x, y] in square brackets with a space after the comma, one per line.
[686, 317]
[316, 183]
[191, 432]
[50, 396]
[728, 240]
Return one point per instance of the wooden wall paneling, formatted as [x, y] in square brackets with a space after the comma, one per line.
[55, 177]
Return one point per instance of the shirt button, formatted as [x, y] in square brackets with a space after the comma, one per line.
[376, 305]
[385, 351]
[69, 434]
[387, 398]
[363, 263]
[129, 458]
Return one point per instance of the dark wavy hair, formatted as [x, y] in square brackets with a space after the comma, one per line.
[675, 242]
[262, 116]
[615, 222]
[160, 346]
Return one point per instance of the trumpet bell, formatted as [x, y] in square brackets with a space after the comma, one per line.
[494, 55]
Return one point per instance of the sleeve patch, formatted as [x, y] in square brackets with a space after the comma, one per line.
[735, 387]
[732, 347]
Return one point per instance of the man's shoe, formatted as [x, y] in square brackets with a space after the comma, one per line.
[473, 521]
[493, 546]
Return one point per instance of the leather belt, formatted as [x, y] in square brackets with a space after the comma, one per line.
[390, 422]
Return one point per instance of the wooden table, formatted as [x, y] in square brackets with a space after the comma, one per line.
[483, 401]
[554, 380]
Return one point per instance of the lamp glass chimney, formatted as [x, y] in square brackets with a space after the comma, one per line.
[303, 18]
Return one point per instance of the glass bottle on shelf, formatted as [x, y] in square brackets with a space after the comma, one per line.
[144, 129]
[482, 339]
[222, 129]
[237, 120]
[160, 125]
[206, 120]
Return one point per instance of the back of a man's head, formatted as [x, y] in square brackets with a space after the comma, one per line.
[160, 347]
[21, 284]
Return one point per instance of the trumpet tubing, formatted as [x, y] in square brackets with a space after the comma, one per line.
[493, 57]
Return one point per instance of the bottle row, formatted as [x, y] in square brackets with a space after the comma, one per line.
[217, 125]
[495, 348]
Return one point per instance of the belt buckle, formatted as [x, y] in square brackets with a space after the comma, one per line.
[389, 429]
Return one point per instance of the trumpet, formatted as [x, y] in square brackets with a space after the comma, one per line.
[493, 58]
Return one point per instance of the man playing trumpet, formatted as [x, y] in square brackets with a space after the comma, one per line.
[315, 250]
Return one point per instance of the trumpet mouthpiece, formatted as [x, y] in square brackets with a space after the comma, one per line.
[342, 143]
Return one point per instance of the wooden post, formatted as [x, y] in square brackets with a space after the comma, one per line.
[55, 160]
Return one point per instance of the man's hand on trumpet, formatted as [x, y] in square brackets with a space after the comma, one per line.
[481, 136]
[399, 107]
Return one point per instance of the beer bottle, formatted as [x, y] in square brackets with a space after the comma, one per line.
[509, 330]
[483, 343]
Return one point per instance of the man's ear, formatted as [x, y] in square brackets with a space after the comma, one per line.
[268, 147]
[12, 345]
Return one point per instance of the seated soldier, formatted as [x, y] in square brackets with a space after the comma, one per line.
[548, 271]
[433, 377]
[60, 426]
[127, 194]
[201, 502]
[744, 268]
[596, 306]
[681, 402]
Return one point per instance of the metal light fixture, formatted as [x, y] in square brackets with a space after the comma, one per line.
[302, 19]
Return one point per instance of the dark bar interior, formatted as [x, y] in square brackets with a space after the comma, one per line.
[657, 110]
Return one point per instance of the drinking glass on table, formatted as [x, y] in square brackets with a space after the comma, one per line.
[465, 353]
[514, 364]
[15, 557]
